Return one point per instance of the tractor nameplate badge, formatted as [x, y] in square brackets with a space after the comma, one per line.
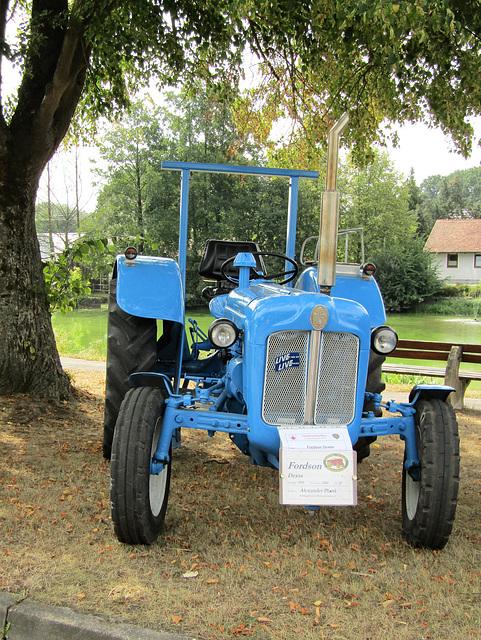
[319, 317]
[287, 361]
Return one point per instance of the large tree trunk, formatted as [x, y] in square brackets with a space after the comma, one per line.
[29, 361]
[54, 75]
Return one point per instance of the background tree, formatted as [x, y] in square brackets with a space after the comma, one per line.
[61, 202]
[455, 196]
[414, 192]
[376, 198]
[61, 219]
[129, 152]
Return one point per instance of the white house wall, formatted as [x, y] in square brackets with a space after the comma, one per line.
[60, 242]
[464, 273]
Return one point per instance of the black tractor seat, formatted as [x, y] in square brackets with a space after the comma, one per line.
[216, 252]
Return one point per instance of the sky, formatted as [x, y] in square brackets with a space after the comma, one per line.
[429, 152]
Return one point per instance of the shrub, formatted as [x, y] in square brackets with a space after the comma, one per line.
[405, 275]
[449, 307]
[449, 291]
[463, 289]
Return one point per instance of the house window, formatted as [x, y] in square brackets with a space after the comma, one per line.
[453, 261]
[477, 260]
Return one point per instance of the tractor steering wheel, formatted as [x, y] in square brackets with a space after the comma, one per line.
[291, 274]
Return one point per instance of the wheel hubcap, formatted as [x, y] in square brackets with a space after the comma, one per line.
[157, 482]
[412, 489]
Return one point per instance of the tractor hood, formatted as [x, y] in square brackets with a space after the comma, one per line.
[264, 308]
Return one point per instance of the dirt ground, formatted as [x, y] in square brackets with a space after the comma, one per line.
[232, 562]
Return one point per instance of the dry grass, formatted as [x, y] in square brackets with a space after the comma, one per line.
[258, 569]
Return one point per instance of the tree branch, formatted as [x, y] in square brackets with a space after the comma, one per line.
[56, 64]
[66, 84]
[3, 46]
[260, 51]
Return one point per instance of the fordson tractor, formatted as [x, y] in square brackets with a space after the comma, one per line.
[290, 369]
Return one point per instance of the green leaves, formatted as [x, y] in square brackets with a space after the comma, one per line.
[376, 198]
[375, 59]
[67, 276]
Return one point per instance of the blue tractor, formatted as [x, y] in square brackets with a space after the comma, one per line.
[290, 369]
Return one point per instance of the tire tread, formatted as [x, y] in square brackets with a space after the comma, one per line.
[131, 347]
[439, 454]
[133, 520]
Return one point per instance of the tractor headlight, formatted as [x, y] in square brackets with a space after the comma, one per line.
[384, 340]
[223, 333]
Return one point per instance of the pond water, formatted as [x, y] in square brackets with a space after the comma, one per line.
[84, 332]
[440, 328]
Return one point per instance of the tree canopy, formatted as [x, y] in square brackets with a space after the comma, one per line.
[404, 62]
[318, 58]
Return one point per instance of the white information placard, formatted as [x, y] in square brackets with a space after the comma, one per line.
[317, 467]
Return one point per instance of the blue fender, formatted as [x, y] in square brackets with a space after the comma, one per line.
[151, 288]
[217, 306]
[439, 391]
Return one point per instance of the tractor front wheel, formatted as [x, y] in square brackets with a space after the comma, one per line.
[429, 497]
[138, 497]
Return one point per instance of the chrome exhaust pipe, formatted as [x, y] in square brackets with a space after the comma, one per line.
[326, 271]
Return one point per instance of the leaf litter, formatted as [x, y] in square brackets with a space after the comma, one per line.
[231, 562]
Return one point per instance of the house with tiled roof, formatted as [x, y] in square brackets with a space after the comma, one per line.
[456, 245]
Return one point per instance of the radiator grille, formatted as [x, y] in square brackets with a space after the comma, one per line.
[336, 385]
[286, 378]
[285, 389]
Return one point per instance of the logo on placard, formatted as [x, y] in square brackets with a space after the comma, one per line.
[336, 462]
[287, 361]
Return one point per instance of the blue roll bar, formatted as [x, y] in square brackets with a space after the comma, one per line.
[187, 167]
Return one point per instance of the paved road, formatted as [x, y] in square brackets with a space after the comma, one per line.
[26, 619]
[78, 363]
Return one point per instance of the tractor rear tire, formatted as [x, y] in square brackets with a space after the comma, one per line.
[138, 497]
[374, 384]
[429, 504]
[131, 347]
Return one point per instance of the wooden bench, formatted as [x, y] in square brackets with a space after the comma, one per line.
[452, 354]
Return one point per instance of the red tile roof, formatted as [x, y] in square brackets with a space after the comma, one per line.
[455, 236]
